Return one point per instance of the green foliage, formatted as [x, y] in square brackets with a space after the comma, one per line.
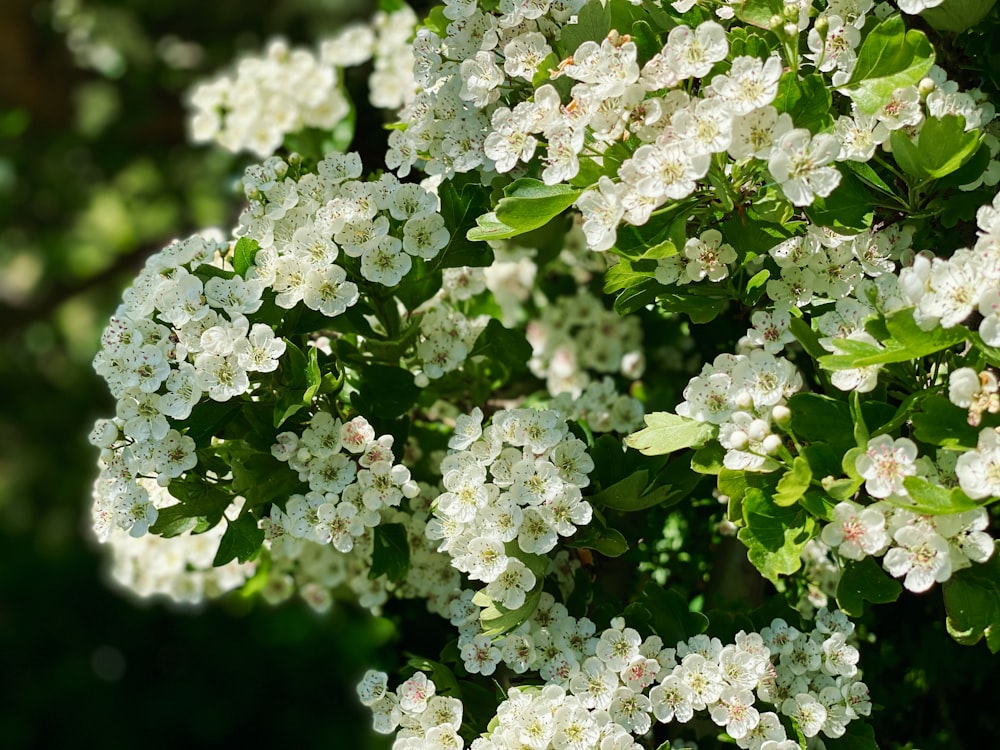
[890, 57]
[666, 433]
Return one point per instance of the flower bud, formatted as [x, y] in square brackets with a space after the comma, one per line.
[781, 415]
[739, 440]
[925, 87]
[791, 30]
[771, 444]
[775, 22]
[822, 26]
[791, 12]
[759, 429]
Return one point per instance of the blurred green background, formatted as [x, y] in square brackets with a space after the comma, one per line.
[95, 175]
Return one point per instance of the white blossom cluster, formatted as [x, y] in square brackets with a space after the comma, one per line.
[426, 721]
[572, 335]
[446, 338]
[178, 568]
[602, 407]
[309, 228]
[180, 334]
[604, 689]
[745, 395]
[511, 487]
[391, 84]
[918, 548]
[946, 291]
[285, 90]
[854, 272]
[319, 572]
[352, 478]
[267, 97]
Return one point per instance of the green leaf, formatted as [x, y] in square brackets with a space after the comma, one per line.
[505, 345]
[865, 581]
[807, 337]
[241, 540]
[941, 147]
[849, 207]
[932, 500]
[859, 735]
[890, 58]
[385, 392]
[621, 494]
[807, 100]
[794, 483]
[820, 418]
[243, 255]
[261, 478]
[460, 209]
[708, 459]
[497, 620]
[593, 22]
[390, 552]
[529, 204]
[599, 537]
[759, 12]
[666, 433]
[672, 618]
[972, 601]
[774, 536]
[940, 422]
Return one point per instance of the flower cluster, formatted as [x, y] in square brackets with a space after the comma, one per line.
[310, 229]
[603, 689]
[602, 407]
[426, 721]
[178, 568]
[575, 334]
[744, 394]
[180, 334]
[512, 487]
[921, 549]
[946, 291]
[352, 477]
[266, 98]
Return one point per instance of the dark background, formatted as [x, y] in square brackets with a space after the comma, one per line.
[95, 175]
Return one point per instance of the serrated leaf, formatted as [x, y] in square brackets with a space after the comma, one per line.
[593, 22]
[529, 204]
[503, 344]
[461, 209]
[774, 536]
[666, 433]
[241, 540]
[889, 58]
[497, 620]
[390, 552]
[793, 483]
[940, 422]
[932, 500]
[865, 581]
[972, 601]
[807, 100]
[941, 147]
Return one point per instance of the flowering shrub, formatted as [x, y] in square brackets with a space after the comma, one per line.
[384, 389]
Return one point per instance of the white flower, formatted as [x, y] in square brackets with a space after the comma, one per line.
[799, 162]
[978, 471]
[922, 556]
[885, 463]
[855, 531]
